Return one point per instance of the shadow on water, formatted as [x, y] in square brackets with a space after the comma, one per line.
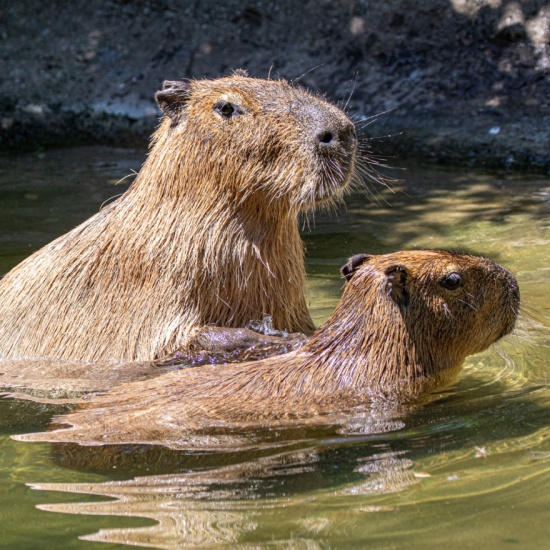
[17, 415]
[45, 194]
[422, 207]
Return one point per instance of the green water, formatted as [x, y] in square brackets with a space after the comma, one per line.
[471, 470]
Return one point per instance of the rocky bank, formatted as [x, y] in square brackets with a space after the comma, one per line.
[457, 81]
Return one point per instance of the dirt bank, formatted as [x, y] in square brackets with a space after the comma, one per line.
[466, 81]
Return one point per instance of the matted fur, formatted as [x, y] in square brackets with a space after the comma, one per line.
[397, 334]
[208, 232]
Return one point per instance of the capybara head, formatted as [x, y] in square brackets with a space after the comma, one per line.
[451, 305]
[265, 140]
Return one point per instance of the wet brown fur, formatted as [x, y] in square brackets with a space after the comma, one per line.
[396, 335]
[208, 232]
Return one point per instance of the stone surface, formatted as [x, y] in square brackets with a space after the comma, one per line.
[460, 81]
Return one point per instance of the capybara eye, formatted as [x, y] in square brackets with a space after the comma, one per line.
[225, 109]
[452, 281]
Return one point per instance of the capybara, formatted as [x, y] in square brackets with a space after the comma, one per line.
[207, 233]
[402, 330]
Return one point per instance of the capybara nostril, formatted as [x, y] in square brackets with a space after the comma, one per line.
[337, 136]
[325, 138]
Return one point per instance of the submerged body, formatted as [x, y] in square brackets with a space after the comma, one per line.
[208, 232]
[402, 329]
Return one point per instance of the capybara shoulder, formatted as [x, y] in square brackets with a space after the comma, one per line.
[207, 233]
[403, 327]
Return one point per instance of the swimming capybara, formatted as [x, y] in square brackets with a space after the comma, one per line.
[402, 329]
[207, 233]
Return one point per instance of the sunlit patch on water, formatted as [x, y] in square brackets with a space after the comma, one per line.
[469, 470]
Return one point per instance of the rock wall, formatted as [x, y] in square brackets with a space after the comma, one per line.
[463, 80]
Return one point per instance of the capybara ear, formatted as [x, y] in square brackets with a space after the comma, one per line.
[396, 284]
[173, 96]
[349, 268]
[240, 72]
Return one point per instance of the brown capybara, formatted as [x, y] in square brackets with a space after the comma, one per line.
[207, 233]
[402, 329]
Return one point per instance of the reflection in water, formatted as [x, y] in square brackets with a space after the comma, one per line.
[220, 506]
[290, 499]
[471, 470]
[335, 488]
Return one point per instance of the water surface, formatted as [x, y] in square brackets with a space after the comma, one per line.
[471, 470]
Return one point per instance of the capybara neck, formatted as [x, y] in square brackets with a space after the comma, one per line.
[208, 232]
[166, 188]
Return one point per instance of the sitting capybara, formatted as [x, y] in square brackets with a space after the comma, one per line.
[207, 233]
[402, 329]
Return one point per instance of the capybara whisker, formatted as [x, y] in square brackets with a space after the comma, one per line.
[468, 304]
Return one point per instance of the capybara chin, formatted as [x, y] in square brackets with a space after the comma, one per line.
[402, 330]
[207, 233]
